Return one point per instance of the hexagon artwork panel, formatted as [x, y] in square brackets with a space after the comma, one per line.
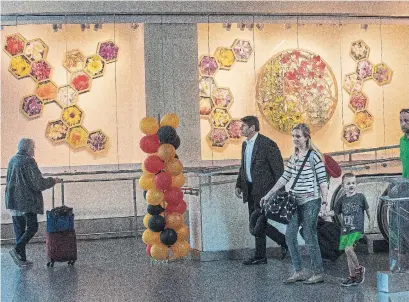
[382, 74]
[296, 86]
[31, 106]
[359, 50]
[14, 45]
[218, 137]
[94, 66]
[56, 131]
[358, 101]
[77, 137]
[40, 71]
[36, 50]
[242, 50]
[206, 106]
[222, 97]
[364, 69]
[81, 82]
[225, 57]
[72, 115]
[352, 83]
[108, 50]
[97, 141]
[20, 67]
[208, 66]
[47, 91]
[220, 117]
[363, 119]
[66, 96]
[351, 133]
[234, 129]
[206, 86]
[74, 60]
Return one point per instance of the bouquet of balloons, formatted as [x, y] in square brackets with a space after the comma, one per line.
[166, 233]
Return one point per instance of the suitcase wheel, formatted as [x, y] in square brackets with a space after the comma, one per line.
[71, 262]
[50, 264]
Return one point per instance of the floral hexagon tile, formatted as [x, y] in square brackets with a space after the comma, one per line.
[77, 137]
[40, 71]
[56, 131]
[36, 50]
[72, 116]
[20, 67]
[97, 141]
[31, 106]
[14, 45]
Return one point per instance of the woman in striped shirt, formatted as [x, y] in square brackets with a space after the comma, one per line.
[311, 192]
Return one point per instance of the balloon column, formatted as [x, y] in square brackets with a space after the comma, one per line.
[166, 233]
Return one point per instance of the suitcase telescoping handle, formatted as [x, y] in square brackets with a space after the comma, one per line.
[62, 195]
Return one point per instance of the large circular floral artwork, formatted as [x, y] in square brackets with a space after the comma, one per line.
[296, 86]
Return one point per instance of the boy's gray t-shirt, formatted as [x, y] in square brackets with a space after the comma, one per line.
[352, 209]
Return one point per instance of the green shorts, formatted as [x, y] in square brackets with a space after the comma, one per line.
[349, 240]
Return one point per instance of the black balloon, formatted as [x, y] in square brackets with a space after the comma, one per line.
[155, 210]
[176, 142]
[144, 194]
[168, 236]
[157, 223]
[166, 134]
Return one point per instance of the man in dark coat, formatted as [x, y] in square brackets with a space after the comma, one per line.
[24, 184]
[261, 167]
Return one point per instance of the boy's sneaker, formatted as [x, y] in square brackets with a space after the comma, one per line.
[360, 274]
[350, 281]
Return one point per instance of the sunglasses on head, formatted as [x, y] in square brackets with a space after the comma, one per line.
[404, 110]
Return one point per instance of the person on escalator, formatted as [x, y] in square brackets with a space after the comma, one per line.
[351, 207]
[404, 142]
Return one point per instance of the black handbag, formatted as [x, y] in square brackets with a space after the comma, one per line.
[282, 205]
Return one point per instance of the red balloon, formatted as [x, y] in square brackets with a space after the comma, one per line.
[173, 196]
[148, 250]
[181, 207]
[150, 143]
[153, 164]
[163, 181]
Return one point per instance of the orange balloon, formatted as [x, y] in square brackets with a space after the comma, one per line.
[182, 232]
[174, 167]
[149, 125]
[147, 182]
[166, 152]
[146, 219]
[154, 197]
[159, 251]
[178, 180]
[174, 220]
[150, 237]
[170, 119]
[180, 249]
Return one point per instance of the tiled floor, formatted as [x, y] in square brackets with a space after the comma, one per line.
[119, 270]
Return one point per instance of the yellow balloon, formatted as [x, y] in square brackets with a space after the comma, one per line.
[180, 249]
[166, 152]
[149, 125]
[147, 182]
[174, 220]
[178, 180]
[170, 119]
[174, 167]
[154, 197]
[159, 251]
[146, 219]
[149, 237]
[182, 232]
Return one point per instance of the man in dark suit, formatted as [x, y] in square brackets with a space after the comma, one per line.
[261, 167]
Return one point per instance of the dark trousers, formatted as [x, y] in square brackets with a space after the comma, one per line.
[25, 227]
[270, 230]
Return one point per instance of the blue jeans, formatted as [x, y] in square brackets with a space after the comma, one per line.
[25, 227]
[307, 215]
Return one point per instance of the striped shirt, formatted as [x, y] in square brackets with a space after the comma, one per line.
[306, 188]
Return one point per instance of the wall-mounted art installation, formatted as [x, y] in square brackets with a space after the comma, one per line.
[354, 84]
[215, 102]
[296, 86]
[29, 58]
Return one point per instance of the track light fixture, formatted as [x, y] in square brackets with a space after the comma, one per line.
[242, 26]
[134, 26]
[260, 26]
[364, 26]
[227, 26]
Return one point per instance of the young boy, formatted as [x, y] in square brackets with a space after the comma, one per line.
[351, 207]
